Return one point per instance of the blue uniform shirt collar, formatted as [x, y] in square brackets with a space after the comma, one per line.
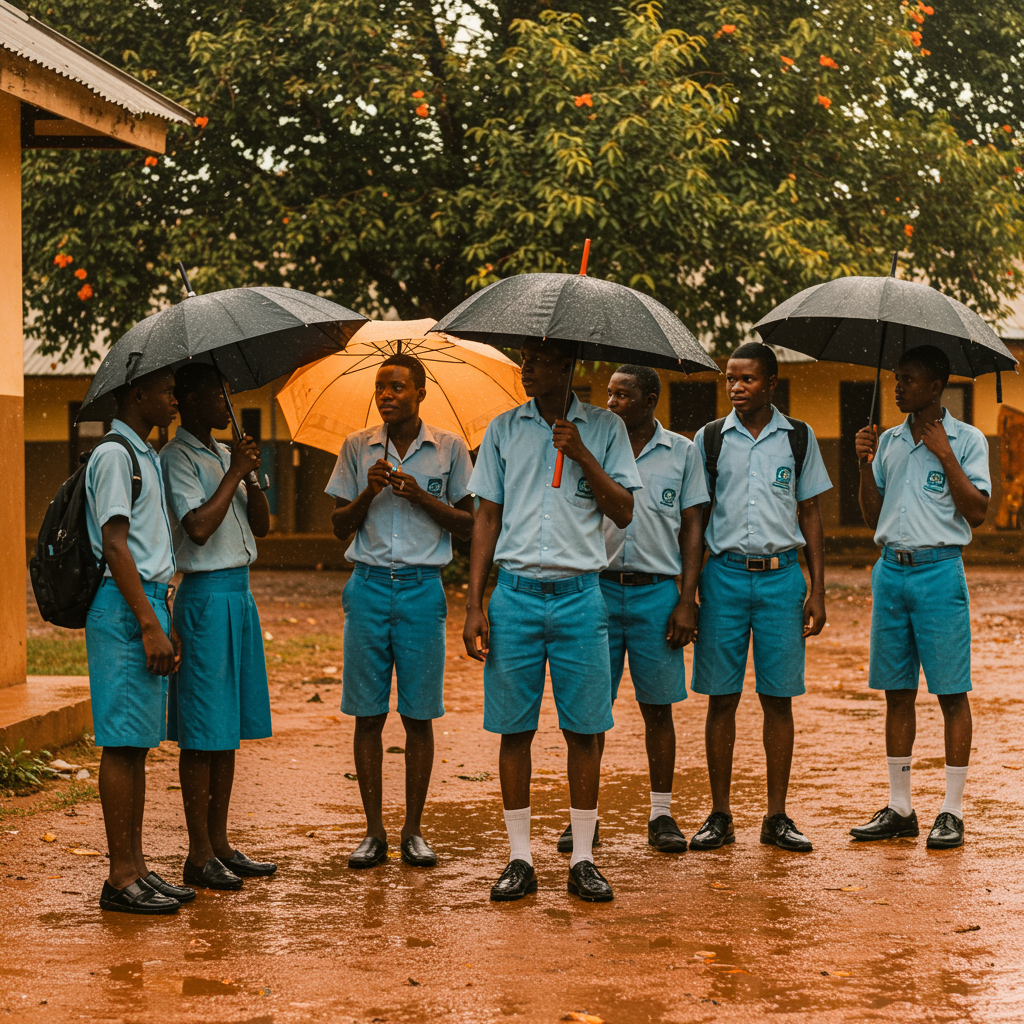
[661, 436]
[120, 427]
[949, 423]
[777, 422]
[577, 411]
[192, 441]
[425, 436]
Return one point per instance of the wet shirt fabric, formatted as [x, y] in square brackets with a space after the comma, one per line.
[671, 472]
[108, 493]
[396, 532]
[755, 509]
[917, 506]
[547, 532]
[192, 473]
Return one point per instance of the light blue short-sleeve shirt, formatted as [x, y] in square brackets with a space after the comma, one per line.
[108, 493]
[917, 507]
[396, 532]
[673, 479]
[755, 509]
[548, 532]
[192, 473]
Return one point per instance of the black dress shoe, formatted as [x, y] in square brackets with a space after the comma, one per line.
[369, 853]
[887, 824]
[212, 875]
[664, 835]
[779, 830]
[137, 898]
[416, 852]
[947, 833]
[716, 831]
[588, 883]
[516, 881]
[565, 839]
[245, 868]
[176, 892]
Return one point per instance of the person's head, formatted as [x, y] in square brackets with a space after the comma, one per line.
[200, 396]
[400, 387]
[633, 393]
[148, 400]
[751, 376]
[546, 365]
[921, 375]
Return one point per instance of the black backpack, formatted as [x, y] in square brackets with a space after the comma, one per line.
[713, 448]
[65, 573]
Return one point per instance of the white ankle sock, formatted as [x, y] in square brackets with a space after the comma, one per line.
[954, 802]
[583, 823]
[517, 824]
[899, 784]
[661, 803]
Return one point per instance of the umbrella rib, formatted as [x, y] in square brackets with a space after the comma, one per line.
[458, 418]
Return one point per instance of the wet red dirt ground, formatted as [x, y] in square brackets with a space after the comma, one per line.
[873, 932]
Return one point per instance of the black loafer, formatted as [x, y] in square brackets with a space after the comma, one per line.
[245, 868]
[716, 831]
[176, 892]
[416, 852]
[212, 875]
[887, 824]
[565, 839]
[779, 830]
[137, 898]
[947, 833]
[586, 882]
[369, 853]
[664, 835]
[516, 881]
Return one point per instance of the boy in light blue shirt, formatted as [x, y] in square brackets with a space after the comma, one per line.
[923, 485]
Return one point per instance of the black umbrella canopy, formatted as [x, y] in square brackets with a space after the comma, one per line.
[252, 335]
[608, 321]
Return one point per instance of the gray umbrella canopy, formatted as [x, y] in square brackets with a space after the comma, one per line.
[252, 335]
[608, 321]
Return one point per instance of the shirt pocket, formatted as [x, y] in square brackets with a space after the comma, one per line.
[781, 477]
[936, 487]
[576, 487]
[434, 483]
[663, 494]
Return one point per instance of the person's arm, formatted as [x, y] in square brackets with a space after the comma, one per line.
[866, 444]
[257, 511]
[808, 514]
[970, 502]
[486, 528]
[682, 623]
[457, 519]
[348, 515]
[161, 656]
[201, 523]
[614, 500]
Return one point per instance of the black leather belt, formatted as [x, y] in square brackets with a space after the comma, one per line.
[633, 579]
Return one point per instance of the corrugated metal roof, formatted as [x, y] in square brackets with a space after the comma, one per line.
[38, 365]
[30, 38]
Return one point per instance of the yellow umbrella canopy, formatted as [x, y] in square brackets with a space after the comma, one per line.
[468, 384]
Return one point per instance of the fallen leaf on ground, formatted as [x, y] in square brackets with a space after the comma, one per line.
[479, 777]
[704, 953]
[351, 775]
[737, 970]
[840, 974]
[882, 903]
[310, 835]
[852, 888]
[170, 788]
[82, 851]
[1013, 767]
[585, 1018]
[412, 981]
[396, 750]
[332, 718]
[968, 928]
[315, 699]
[719, 885]
[312, 622]
[49, 838]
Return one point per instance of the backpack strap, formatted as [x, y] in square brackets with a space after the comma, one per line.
[136, 469]
[798, 441]
[712, 449]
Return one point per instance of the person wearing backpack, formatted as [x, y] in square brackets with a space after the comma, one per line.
[130, 644]
[764, 473]
[219, 696]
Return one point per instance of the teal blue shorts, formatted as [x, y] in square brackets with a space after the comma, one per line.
[637, 626]
[394, 626]
[129, 703]
[737, 603]
[920, 618]
[559, 623]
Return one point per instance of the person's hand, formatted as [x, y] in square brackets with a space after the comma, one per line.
[814, 614]
[161, 657]
[176, 643]
[476, 634]
[379, 476]
[866, 444]
[405, 486]
[936, 440]
[566, 438]
[682, 625]
[245, 457]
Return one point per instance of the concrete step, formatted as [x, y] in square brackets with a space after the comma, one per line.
[46, 711]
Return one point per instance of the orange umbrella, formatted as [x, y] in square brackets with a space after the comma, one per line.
[468, 384]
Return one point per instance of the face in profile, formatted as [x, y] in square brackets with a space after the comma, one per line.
[544, 368]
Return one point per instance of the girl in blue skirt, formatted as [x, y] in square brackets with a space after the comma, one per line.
[219, 695]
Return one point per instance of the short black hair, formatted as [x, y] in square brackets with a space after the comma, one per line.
[194, 377]
[122, 392]
[567, 349]
[646, 377]
[761, 353]
[929, 358]
[412, 364]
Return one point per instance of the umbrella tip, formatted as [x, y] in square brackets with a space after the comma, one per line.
[895, 258]
[586, 256]
[184, 277]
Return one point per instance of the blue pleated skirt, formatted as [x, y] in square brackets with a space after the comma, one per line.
[219, 696]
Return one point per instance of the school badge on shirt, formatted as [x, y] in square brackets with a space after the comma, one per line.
[783, 476]
[668, 497]
[434, 485]
[936, 481]
[583, 488]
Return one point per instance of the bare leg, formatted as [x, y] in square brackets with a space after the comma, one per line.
[515, 766]
[368, 748]
[117, 797]
[584, 769]
[901, 723]
[660, 735]
[222, 778]
[959, 728]
[139, 812]
[719, 740]
[194, 773]
[778, 748]
[419, 761]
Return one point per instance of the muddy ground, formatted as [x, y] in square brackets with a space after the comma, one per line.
[887, 932]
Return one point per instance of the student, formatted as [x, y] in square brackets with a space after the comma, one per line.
[764, 479]
[547, 605]
[130, 644]
[923, 486]
[395, 610]
[219, 696]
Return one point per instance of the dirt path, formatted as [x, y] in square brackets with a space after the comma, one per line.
[847, 933]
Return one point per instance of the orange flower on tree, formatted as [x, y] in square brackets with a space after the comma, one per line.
[915, 38]
[1008, 129]
[151, 161]
[924, 52]
[81, 273]
[202, 122]
[919, 18]
[418, 94]
[586, 100]
[62, 260]
[908, 230]
[788, 61]
[825, 102]
[423, 110]
[926, 9]
[827, 62]
[728, 29]
[85, 292]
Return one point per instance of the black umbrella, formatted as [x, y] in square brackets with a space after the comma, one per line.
[607, 321]
[874, 321]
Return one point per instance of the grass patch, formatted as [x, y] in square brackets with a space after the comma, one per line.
[52, 656]
[305, 649]
[57, 800]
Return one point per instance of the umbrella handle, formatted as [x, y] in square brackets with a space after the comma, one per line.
[252, 479]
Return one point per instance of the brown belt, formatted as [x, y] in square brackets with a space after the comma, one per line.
[633, 579]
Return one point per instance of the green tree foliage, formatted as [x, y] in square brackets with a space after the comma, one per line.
[404, 152]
